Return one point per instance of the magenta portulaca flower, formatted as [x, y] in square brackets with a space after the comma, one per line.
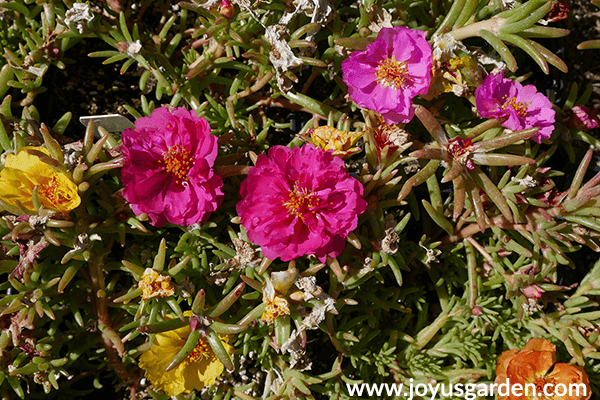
[390, 73]
[581, 117]
[168, 167]
[517, 106]
[298, 202]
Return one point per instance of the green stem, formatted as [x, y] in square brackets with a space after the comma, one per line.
[493, 25]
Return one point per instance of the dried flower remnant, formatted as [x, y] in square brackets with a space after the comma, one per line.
[390, 136]
[281, 55]
[460, 150]
[379, 18]
[559, 11]
[527, 182]
[340, 142]
[276, 305]
[299, 202]
[199, 370]
[581, 117]
[444, 48]
[25, 171]
[531, 307]
[154, 284]
[451, 73]
[517, 106]
[78, 17]
[168, 168]
[390, 73]
[245, 255]
[134, 48]
[531, 366]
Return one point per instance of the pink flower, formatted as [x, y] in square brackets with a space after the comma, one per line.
[517, 106]
[300, 201]
[168, 167]
[582, 118]
[389, 73]
[532, 291]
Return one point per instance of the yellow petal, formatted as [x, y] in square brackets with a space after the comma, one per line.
[24, 171]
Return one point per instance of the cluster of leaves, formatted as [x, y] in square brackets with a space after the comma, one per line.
[435, 282]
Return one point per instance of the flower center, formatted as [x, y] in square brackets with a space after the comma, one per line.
[540, 383]
[275, 308]
[154, 284]
[302, 202]
[460, 149]
[200, 351]
[391, 73]
[516, 105]
[177, 162]
[52, 194]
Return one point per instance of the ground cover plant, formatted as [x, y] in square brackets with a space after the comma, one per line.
[298, 198]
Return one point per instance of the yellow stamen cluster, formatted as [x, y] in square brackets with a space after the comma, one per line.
[201, 351]
[276, 307]
[341, 142]
[301, 202]
[153, 284]
[177, 162]
[52, 196]
[519, 107]
[391, 73]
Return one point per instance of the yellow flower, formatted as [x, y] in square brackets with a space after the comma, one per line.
[154, 284]
[340, 142]
[23, 172]
[277, 306]
[200, 369]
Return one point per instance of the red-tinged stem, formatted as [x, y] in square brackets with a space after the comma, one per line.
[232, 170]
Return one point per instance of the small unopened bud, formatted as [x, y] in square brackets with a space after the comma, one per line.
[194, 323]
[227, 9]
[477, 311]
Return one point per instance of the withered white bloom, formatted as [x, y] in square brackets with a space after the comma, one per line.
[532, 306]
[134, 48]
[379, 18]
[319, 11]
[78, 17]
[389, 244]
[269, 289]
[528, 181]
[35, 70]
[208, 4]
[444, 47]
[247, 6]
[83, 241]
[308, 286]
[246, 255]
[507, 4]
[293, 346]
[484, 59]
[317, 315]
[431, 254]
[38, 222]
[281, 55]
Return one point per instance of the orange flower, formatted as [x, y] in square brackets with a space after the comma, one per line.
[529, 368]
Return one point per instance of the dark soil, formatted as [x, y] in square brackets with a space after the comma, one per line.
[584, 65]
[88, 87]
